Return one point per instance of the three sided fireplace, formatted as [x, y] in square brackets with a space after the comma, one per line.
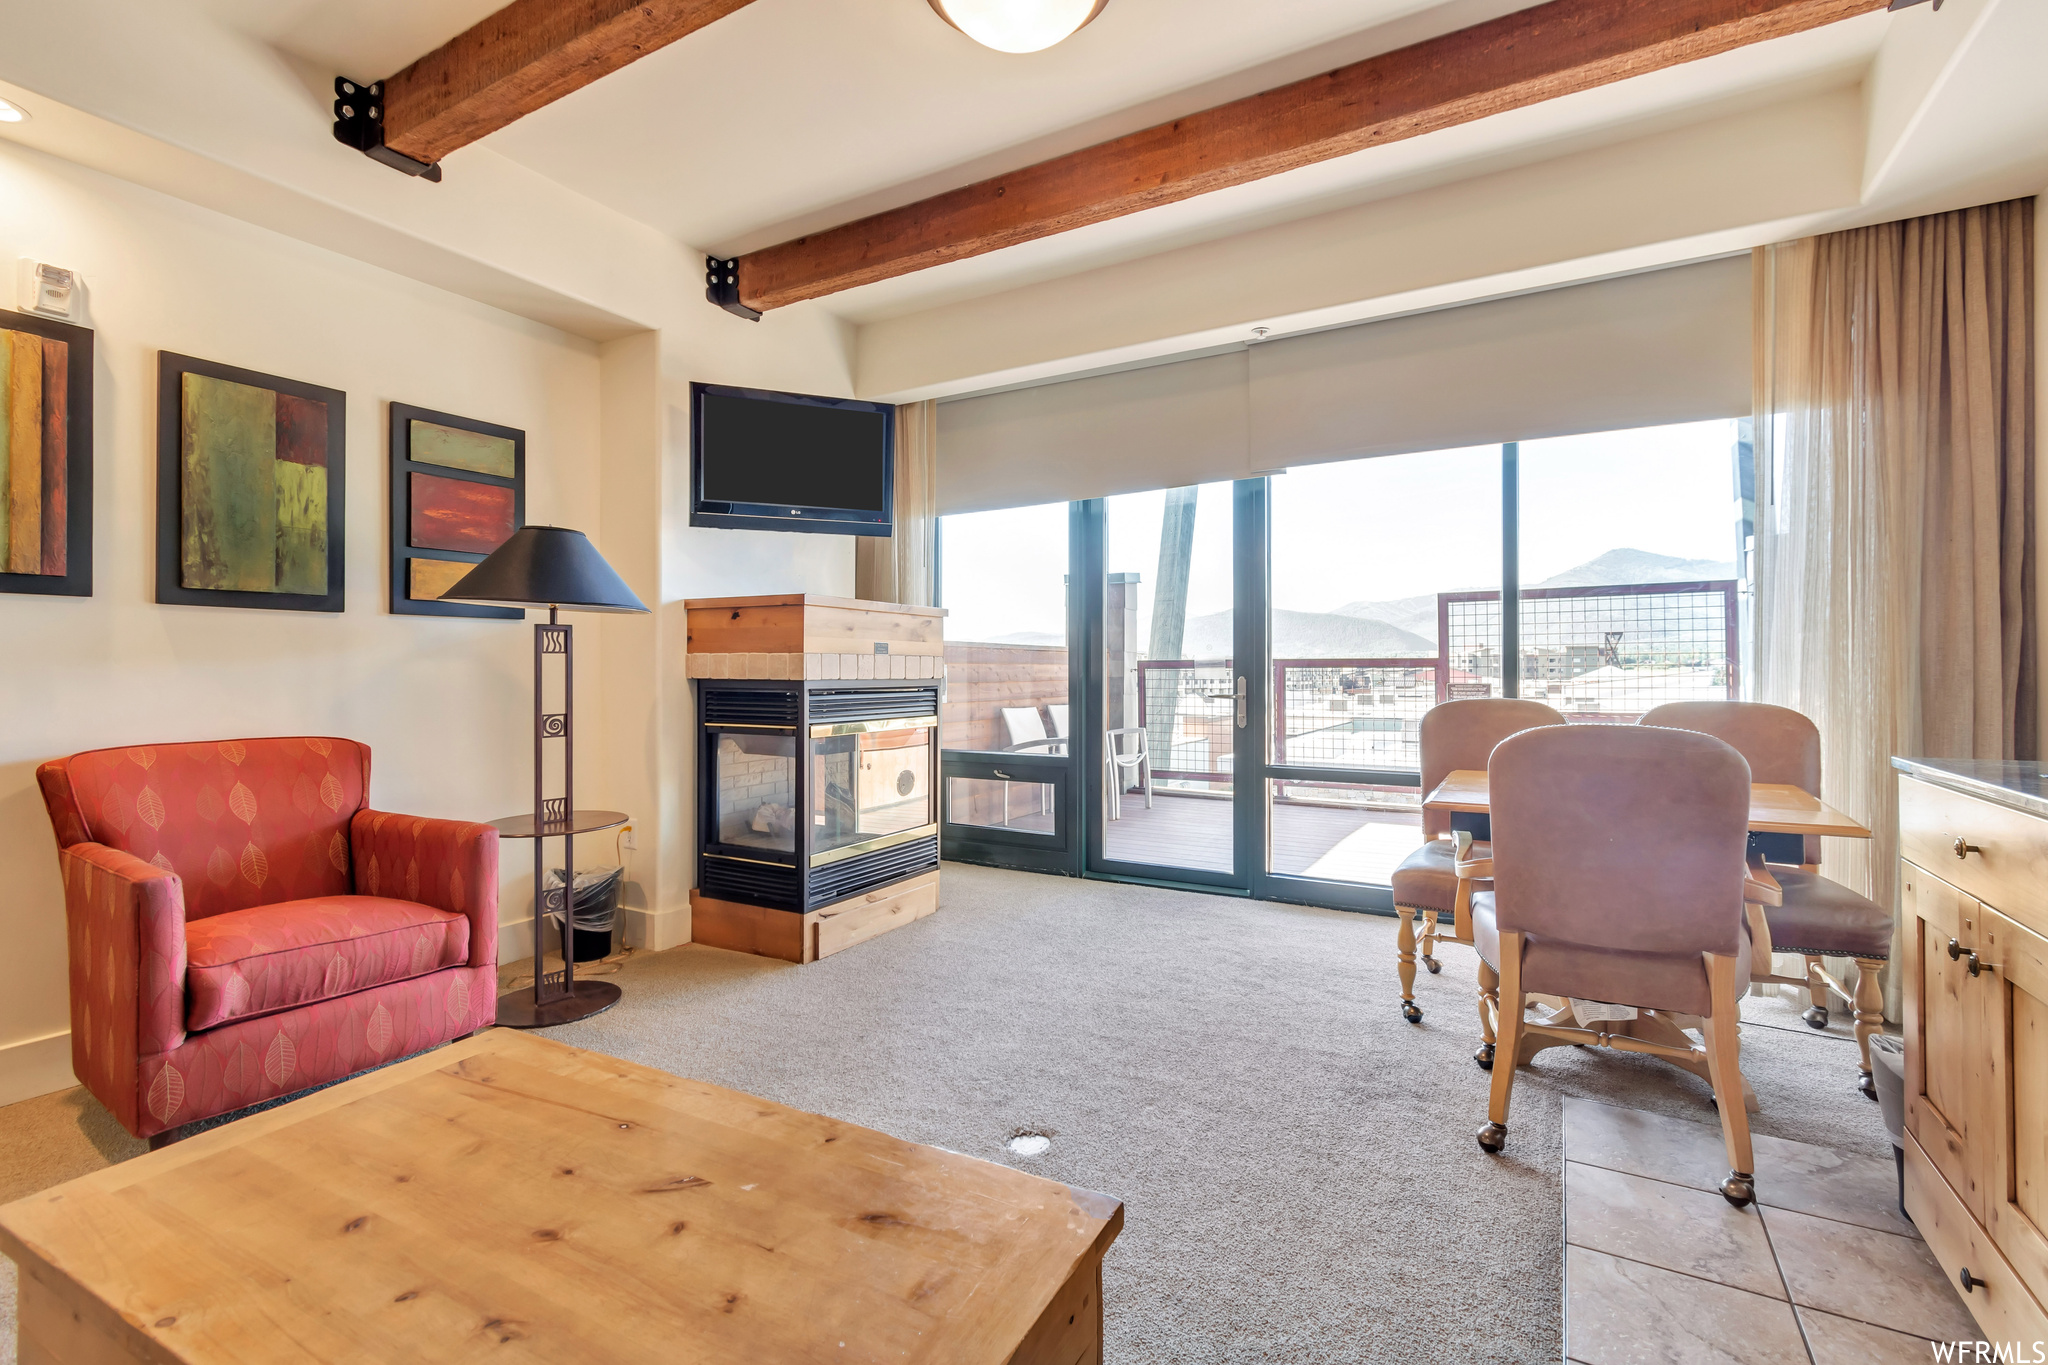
[813, 791]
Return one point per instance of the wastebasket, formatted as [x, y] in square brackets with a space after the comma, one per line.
[1888, 1070]
[594, 910]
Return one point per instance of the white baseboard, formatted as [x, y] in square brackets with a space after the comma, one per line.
[36, 1067]
[655, 929]
[515, 939]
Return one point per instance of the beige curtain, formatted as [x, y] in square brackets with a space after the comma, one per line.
[1895, 525]
[903, 567]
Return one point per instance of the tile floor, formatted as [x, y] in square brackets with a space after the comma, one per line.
[1822, 1270]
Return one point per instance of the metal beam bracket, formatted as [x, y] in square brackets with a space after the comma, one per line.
[359, 123]
[721, 285]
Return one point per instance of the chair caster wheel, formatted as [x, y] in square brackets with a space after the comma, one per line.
[1493, 1137]
[1738, 1189]
[1866, 1087]
[1817, 1017]
[1433, 965]
[1484, 1056]
[1411, 1011]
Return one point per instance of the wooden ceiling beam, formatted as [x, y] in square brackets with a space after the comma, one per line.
[1520, 59]
[527, 55]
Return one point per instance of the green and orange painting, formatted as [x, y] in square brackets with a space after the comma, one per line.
[253, 489]
[34, 467]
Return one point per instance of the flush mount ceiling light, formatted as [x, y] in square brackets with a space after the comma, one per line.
[12, 113]
[1018, 25]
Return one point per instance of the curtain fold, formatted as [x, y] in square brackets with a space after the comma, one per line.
[903, 567]
[1895, 555]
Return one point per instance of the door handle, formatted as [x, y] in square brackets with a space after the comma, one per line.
[1240, 701]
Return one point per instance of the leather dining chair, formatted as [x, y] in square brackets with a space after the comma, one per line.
[1817, 918]
[1455, 735]
[1618, 876]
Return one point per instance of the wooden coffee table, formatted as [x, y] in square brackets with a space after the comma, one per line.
[510, 1198]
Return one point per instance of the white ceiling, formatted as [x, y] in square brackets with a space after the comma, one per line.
[791, 115]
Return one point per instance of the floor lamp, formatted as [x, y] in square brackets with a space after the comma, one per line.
[556, 568]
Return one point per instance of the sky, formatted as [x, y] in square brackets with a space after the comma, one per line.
[1372, 530]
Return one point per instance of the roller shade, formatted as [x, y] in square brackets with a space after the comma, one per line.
[1157, 427]
[1664, 346]
[1667, 346]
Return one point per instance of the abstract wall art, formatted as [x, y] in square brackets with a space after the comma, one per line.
[45, 457]
[250, 488]
[458, 491]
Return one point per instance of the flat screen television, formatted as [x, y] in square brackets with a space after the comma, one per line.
[767, 461]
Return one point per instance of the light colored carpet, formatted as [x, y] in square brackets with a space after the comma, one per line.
[1297, 1164]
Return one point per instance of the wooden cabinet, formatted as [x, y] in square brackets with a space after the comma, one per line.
[1973, 902]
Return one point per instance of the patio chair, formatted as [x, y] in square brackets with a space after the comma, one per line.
[1456, 735]
[1123, 766]
[1816, 918]
[1026, 731]
[1058, 712]
[1618, 876]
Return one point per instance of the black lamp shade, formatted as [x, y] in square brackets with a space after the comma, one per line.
[546, 566]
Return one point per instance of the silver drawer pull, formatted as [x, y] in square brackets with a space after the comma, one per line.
[1964, 848]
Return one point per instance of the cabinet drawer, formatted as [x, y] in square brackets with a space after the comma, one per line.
[2009, 873]
[2004, 1310]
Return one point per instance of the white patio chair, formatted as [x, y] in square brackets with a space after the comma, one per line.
[1026, 731]
[1125, 765]
[1058, 712]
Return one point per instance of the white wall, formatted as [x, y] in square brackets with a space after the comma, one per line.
[443, 703]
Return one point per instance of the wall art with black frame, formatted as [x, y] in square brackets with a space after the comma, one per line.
[45, 456]
[458, 491]
[251, 485]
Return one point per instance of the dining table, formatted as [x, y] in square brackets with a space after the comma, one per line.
[1774, 808]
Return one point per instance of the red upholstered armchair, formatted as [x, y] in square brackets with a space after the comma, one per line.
[243, 926]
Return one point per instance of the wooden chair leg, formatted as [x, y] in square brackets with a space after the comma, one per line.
[1816, 1015]
[1494, 1135]
[1489, 1006]
[1429, 942]
[1869, 1016]
[1405, 940]
[1724, 1066]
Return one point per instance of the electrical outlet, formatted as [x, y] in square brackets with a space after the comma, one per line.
[626, 839]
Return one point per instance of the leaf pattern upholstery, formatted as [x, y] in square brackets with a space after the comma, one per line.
[273, 957]
[243, 822]
[222, 951]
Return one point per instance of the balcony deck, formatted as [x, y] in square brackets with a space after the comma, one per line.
[1308, 840]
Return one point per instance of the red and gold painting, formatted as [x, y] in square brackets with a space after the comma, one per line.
[45, 456]
[458, 491]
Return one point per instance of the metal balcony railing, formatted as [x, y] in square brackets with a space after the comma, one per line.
[1598, 654]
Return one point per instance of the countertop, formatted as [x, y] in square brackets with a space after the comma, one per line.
[2023, 786]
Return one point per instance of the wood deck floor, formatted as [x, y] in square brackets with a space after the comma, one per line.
[1316, 841]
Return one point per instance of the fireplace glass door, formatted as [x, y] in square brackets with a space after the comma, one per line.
[871, 786]
[756, 783]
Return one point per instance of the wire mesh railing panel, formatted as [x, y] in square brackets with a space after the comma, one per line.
[1186, 708]
[1601, 653]
[1351, 713]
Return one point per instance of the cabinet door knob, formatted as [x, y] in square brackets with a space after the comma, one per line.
[1964, 848]
[1970, 1282]
[1955, 950]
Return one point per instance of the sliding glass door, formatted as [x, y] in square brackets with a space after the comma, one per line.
[1246, 665]
[1164, 696]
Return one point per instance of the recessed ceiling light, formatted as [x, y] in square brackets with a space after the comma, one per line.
[1018, 25]
[12, 113]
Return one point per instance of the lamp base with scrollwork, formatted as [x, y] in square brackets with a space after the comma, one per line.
[556, 997]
